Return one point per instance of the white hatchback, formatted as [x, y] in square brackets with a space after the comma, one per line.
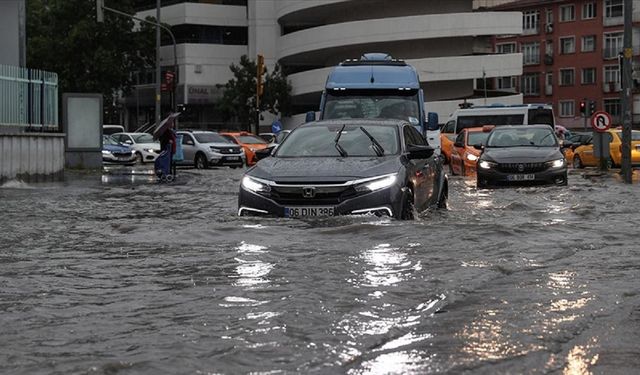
[143, 144]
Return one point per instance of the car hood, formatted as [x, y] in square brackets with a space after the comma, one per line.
[522, 154]
[116, 148]
[220, 145]
[155, 146]
[323, 169]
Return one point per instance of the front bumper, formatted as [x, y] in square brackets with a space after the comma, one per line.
[382, 202]
[114, 159]
[494, 177]
[231, 160]
[149, 156]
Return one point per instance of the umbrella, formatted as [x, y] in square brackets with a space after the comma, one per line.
[165, 125]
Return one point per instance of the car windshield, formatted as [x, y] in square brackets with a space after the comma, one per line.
[517, 137]
[210, 138]
[251, 139]
[389, 105]
[477, 138]
[314, 141]
[108, 140]
[143, 138]
[635, 136]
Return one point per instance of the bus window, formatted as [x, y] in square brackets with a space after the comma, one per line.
[540, 116]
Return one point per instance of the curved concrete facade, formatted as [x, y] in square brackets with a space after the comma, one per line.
[200, 14]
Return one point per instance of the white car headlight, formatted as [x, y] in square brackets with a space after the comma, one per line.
[217, 150]
[150, 150]
[559, 163]
[254, 185]
[486, 164]
[252, 149]
[105, 152]
[377, 184]
[472, 157]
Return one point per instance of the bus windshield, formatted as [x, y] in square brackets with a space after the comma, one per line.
[386, 104]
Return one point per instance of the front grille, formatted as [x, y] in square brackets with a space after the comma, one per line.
[322, 196]
[522, 167]
[122, 154]
[229, 150]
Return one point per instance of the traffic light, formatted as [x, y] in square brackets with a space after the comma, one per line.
[583, 107]
[592, 107]
[260, 73]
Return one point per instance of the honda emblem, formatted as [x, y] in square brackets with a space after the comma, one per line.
[308, 192]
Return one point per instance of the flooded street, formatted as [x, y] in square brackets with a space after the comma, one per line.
[112, 274]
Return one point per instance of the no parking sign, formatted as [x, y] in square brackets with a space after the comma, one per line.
[601, 121]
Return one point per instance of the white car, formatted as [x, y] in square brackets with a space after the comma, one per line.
[143, 145]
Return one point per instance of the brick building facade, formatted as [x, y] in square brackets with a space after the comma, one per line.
[570, 54]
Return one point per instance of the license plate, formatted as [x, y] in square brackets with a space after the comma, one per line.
[233, 158]
[521, 177]
[308, 211]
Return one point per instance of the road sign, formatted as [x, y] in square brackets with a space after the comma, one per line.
[601, 121]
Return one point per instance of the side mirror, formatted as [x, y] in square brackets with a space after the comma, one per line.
[310, 117]
[478, 146]
[458, 144]
[264, 153]
[420, 152]
[432, 121]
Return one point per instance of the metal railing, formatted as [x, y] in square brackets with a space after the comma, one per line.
[28, 98]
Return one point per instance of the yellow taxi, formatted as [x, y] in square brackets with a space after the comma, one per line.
[583, 156]
[464, 154]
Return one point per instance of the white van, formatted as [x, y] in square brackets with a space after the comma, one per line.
[112, 129]
[520, 114]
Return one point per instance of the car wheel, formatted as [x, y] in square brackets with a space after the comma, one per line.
[444, 197]
[407, 205]
[201, 162]
[139, 159]
[577, 162]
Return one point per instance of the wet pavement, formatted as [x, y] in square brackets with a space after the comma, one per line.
[105, 274]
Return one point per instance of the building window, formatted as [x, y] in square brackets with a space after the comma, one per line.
[531, 84]
[566, 77]
[549, 16]
[613, 8]
[530, 22]
[612, 45]
[567, 13]
[567, 108]
[567, 45]
[548, 87]
[612, 106]
[588, 43]
[588, 76]
[611, 74]
[506, 83]
[506, 48]
[531, 53]
[588, 10]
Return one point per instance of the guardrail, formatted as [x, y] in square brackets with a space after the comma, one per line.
[28, 98]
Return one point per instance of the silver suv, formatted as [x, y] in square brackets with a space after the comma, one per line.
[206, 148]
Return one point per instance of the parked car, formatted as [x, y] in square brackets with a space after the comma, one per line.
[206, 148]
[275, 138]
[144, 146]
[116, 153]
[522, 154]
[249, 142]
[574, 141]
[464, 154]
[583, 155]
[350, 166]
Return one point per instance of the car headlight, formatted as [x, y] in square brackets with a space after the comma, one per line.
[150, 150]
[486, 164]
[380, 183]
[252, 149]
[255, 185]
[105, 152]
[558, 163]
[472, 157]
[213, 149]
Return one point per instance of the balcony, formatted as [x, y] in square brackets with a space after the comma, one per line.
[608, 87]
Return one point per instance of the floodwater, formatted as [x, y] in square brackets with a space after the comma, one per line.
[113, 274]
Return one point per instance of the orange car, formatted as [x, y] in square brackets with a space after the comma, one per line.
[584, 156]
[463, 154]
[249, 142]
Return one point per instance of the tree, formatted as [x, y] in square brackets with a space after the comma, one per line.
[64, 37]
[238, 102]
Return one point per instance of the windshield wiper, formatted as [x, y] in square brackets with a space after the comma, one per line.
[341, 150]
[376, 146]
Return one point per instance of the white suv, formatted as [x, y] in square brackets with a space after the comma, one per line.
[206, 148]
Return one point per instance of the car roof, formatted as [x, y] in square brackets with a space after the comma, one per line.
[537, 126]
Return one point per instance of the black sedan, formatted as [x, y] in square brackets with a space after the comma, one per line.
[521, 155]
[346, 167]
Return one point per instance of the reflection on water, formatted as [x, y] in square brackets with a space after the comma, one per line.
[252, 272]
[388, 265]
[402, 362]
[580, 360]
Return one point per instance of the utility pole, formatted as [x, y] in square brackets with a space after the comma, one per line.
[259, 89]
[158, 68]
[626, 93]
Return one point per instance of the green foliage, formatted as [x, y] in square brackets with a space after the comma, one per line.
[238, 102]
[64, 37]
